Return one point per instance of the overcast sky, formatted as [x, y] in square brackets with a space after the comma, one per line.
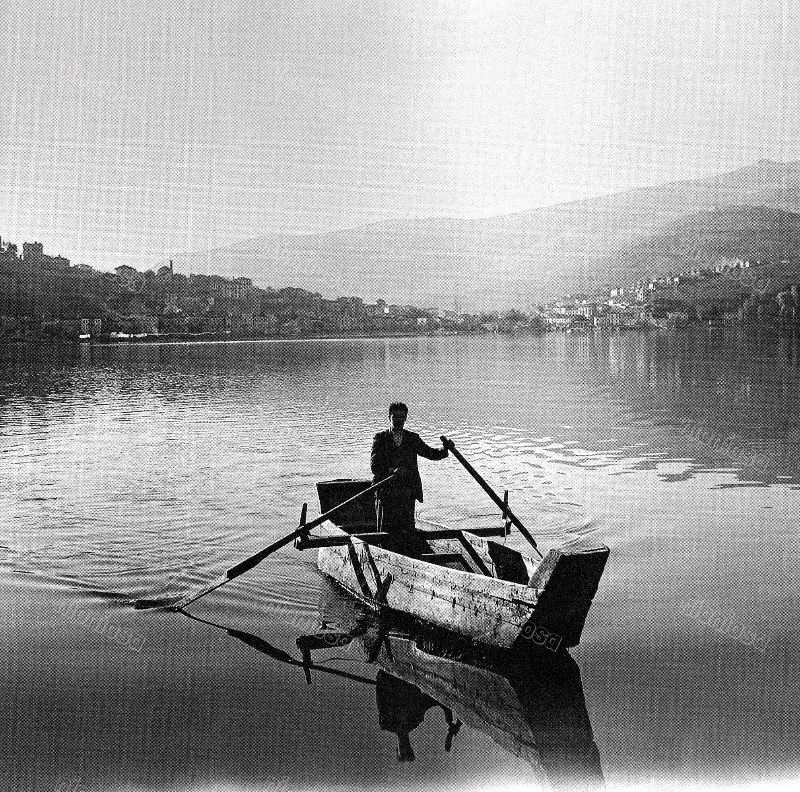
[130, 130]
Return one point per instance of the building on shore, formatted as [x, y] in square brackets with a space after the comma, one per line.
[33, 254]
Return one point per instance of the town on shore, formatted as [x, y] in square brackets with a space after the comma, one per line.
[728, 291]
[47, 297]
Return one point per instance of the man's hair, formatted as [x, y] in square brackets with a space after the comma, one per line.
[398, 407]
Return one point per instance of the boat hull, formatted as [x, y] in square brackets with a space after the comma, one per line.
[482, 608]
[486, 609]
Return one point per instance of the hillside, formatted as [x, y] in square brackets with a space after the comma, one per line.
[511, 259]
[701, 239]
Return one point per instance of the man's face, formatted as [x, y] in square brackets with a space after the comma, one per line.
[397, 418]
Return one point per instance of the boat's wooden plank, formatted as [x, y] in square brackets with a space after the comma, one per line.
[453, 533]
[341, 537]
[333, 540]
[474, 555]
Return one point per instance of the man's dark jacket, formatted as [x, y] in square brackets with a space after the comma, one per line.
[386, 455]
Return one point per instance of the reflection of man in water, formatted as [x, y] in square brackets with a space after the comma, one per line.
[402, 707]
[396, 450]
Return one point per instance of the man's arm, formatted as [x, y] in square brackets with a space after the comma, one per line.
[424, 450]
[378, 461]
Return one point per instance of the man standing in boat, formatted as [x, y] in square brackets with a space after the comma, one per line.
[395, 450]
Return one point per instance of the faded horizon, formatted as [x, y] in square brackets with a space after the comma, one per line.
[132, 136]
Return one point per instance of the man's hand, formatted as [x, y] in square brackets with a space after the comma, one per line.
[447, 444]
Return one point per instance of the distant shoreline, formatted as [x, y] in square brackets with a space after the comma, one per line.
[223, 338]
[156, 341]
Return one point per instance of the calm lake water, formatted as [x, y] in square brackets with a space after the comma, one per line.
[145, 471]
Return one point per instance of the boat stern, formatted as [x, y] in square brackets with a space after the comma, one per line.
[567, 580]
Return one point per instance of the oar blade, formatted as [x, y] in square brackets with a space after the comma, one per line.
[263, 646]
[196, 596]
[164, 603]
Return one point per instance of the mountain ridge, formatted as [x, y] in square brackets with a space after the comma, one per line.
[497, 261]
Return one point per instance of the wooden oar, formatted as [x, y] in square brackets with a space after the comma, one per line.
[500, 502]
[257, 558]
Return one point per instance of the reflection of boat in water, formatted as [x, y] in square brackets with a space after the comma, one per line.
[535, 711]
[531, 703]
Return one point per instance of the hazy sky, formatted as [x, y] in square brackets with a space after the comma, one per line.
[130, 130]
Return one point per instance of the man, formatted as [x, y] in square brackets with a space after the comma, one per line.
[395, 450]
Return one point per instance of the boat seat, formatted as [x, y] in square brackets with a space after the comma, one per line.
[443, 558]
[359, 527]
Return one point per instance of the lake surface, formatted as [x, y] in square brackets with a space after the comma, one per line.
[144, 471]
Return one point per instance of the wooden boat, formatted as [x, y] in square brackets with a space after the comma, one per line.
[459, 580]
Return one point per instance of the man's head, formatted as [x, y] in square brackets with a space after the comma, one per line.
[398, 412]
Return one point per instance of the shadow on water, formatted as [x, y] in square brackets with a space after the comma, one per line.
[530, 703]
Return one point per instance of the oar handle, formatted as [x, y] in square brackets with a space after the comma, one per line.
[499, 502]
[256, 559]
